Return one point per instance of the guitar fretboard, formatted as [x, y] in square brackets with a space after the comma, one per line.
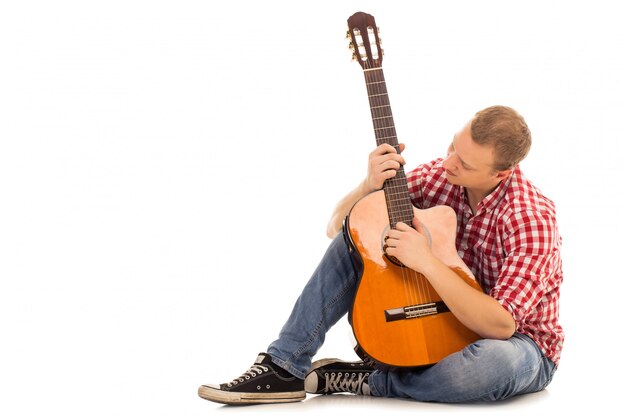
[399, 206]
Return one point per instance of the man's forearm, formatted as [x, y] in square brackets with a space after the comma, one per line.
[343, 208]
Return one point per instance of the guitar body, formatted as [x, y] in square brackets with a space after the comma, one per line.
[384, 287]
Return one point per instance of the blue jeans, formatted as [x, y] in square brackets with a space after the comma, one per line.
[487, 370]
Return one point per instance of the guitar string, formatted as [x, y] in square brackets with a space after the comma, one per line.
[414, 282]
[379, 102]
[393, 187]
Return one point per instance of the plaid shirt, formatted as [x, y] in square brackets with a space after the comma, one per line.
[512, 245]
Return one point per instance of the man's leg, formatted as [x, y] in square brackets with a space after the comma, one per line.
[278, 375]
[487, 370]
[324, 300]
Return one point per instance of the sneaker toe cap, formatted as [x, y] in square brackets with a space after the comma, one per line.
[311, 383]
[207, 388]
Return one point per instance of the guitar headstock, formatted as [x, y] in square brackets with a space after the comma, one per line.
[364, 40]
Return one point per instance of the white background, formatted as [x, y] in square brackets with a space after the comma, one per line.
[167, 170]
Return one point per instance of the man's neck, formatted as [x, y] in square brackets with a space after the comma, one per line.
[475, 196]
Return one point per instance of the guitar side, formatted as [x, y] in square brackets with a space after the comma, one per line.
[397, 318]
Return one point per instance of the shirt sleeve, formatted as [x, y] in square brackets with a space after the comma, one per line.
[421, 180]
[414, 181]
[532, 246]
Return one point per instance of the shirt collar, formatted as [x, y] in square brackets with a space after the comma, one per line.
[492, 200]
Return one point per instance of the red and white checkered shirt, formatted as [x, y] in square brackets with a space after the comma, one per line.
[512, 245]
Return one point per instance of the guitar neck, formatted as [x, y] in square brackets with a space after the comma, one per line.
[399, 204]
[380, 108]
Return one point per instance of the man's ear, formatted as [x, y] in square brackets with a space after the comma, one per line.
[503, 175]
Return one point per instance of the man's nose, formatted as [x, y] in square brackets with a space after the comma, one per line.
[450, 160]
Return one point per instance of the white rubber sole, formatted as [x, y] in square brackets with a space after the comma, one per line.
[214, 394]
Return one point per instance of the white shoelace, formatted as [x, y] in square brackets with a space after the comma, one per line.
[347, 382]
[254, 370]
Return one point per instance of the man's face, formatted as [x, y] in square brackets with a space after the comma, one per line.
[469, 164]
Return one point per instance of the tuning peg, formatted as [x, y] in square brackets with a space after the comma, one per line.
[354, 57]
[351, 46]
[347, 34]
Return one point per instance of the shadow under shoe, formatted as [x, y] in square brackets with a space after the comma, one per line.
[263, 383]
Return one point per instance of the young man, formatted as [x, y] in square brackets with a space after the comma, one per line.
[508, 237]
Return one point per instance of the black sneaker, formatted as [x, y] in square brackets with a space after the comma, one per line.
[329, 376]
[263, 383]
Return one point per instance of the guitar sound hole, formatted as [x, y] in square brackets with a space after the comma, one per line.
[394, 260]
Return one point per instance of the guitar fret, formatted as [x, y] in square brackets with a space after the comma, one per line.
[381, 110]
[405, 208]
[397, 195]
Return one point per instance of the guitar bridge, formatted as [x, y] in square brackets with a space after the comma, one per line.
[416, 311]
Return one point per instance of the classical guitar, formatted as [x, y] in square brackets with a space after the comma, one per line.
[397, 318]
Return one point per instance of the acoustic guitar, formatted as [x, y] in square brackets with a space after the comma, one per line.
[397, 318]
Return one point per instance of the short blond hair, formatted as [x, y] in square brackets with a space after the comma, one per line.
[506, 131]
